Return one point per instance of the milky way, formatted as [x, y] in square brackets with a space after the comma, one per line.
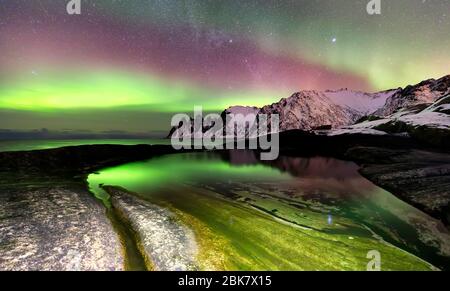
[129, 64]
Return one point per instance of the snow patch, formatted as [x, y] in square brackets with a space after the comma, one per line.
[428, 118]
[364, 103]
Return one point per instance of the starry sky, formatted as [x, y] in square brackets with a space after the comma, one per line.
[130, 65]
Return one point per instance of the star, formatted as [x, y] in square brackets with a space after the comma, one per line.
[334, 40]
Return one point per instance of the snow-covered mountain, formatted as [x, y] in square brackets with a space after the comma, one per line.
[424, 93]
[435, 116]
[430, 125]
[421, 111]
[309, 109]
[244, 110]
[362, 102]
[339, 110]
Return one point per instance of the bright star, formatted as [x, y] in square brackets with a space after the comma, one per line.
[333, 40]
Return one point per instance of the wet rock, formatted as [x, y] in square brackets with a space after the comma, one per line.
[166, 244]
[48, 218]
[58, 227]
[421, 178]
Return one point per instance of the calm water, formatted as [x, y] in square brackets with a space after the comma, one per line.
[326, 197]
[28, 145]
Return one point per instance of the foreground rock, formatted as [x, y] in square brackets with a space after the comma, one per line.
[59, 227]
[48, 218]
[166, 244]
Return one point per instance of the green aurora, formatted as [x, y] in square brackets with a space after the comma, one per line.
[143, 61]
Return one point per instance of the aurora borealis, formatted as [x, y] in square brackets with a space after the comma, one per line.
[129, 65]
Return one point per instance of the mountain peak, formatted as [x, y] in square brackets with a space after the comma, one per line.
[312, 109]
[425, 92]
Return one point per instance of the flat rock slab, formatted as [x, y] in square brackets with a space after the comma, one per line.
[166, 244]
[55, 228]
[48, 218]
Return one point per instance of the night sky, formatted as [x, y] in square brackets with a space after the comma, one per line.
[129, 65]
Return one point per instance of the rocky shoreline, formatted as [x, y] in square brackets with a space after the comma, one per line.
[420, 178]
[48, 218]
[50, 221]
[415, 172]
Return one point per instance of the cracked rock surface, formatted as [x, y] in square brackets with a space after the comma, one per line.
[58, 227]
[166, 243]
[48, 218]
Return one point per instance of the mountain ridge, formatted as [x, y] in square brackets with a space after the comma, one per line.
[345, 111]
[309, 109]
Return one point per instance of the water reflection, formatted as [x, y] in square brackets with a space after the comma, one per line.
[323, 194]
